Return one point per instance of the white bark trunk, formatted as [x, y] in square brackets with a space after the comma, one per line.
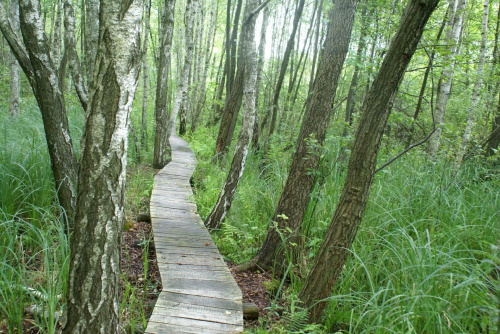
[248, 57]
[454, 27]
[477, 88]
[93, 287]
[15, 83]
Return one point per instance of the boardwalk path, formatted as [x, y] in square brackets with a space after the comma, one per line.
[199, 293]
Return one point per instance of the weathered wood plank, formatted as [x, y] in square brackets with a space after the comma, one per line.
[163, 328]
[213, 327]
[225, 316]
[219, 289]
[200, 300]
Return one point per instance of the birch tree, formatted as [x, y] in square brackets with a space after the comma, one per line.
[162, 132]
[452, 38]
[15, 78]
[247, 57]
[477, 87]
[93, 283]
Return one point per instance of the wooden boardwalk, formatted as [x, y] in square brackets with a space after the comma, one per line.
[199, 293]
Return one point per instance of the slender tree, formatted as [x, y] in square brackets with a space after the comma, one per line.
[247, 62]
[93, 283]
[145, 75]
[477, 87]
[453, 30]
[375, 111]
[162, 145]
[15, 78]
[295, 196]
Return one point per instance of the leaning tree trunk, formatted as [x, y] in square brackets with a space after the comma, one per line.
[455, 21]
[375, 111]
[15, 79]
[295, 196]
[94, 274]
[247, 61]
[73, 60]
[477, 88]
[162, 145]
[35, 58]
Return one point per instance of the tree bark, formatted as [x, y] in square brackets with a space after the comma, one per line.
[295, 196]
[455, 22]
[247, 61]
[15, 78]
[70, 50]
[145, 77]
[351, 96]
[477, 88]
[284, 65]
[181, 99]
[375, 111]
[91, 36]
[162, 145]
[93, 284]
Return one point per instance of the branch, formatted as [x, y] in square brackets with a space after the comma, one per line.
[16, 44]
[406, 150]
[257, 10]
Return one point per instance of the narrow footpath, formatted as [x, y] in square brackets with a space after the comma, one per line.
[199, 293]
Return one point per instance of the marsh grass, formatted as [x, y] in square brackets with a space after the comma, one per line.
[423, 260]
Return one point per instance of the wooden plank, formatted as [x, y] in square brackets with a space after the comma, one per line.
[163, 328]
[204, 275]
[226, 316]
[213, 327]
[200, 300]
[190, 260]
[227, 289]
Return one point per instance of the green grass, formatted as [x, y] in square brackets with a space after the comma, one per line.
[424, 255]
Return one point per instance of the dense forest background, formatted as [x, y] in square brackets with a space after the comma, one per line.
[424, 258]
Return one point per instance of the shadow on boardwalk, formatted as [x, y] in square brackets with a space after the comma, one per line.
[199, 293]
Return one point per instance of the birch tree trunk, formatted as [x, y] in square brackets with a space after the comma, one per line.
[91, 36]
[477, 87]
[208, 56]
[375, 111]
[93, 284]
[15, 78]
[295, 196]
[452, 38]
[181, 99]
[162, 132]
[145, 77]
[247, 58]
[70, 49]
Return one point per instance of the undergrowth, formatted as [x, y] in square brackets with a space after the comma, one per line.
[423, 260]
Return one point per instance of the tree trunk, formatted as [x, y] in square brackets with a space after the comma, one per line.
[93, 284]
[70, 50]
[34, 56]
[454, 25]
[295, 196]
[284, 65]
[181, 99]
[247, 61]
[91, 36]
[162, 145]
[418, 108]
[15, 79]
[260, 69]
[477, 88]
[351, 96]
[375, 111]
[145, 77]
